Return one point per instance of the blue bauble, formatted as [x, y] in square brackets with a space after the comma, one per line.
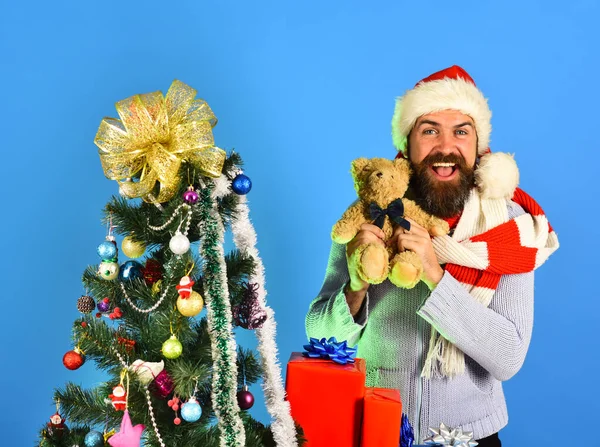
[130, 270]
[94, 439]
[107, 250]
[241, 184]
[191, 410]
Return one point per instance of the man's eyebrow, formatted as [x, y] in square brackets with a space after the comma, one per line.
[433, 123]
[466, 123]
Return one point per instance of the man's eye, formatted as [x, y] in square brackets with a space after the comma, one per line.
[429, 131]
[461, 132]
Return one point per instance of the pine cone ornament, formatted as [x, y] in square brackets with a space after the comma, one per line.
[86, 304]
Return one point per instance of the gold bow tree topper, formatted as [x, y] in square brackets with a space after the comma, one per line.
[154, 136]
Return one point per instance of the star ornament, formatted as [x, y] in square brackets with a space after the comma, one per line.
[129, 435]
[454, 438]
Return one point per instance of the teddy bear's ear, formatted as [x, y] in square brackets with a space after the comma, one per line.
[404, 165]
[358, 166]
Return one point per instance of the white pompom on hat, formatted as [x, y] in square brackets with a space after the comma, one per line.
[497, 175]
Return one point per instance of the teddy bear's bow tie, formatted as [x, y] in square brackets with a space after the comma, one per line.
[395, 211]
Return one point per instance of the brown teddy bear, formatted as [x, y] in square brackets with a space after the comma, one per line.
[381, 185]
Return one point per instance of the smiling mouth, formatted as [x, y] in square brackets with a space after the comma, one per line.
[444, 171]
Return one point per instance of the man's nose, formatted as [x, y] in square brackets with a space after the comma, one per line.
[446, 143]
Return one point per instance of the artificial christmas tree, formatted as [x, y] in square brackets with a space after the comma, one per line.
[175, 374]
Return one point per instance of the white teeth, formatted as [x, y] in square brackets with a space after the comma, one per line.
[446, 165]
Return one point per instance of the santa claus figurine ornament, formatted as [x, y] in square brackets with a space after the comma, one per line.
[119, 398]
[56, 427]
[185, 287]
[119, 394]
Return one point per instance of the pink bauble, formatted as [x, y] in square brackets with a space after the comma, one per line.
[190, 196]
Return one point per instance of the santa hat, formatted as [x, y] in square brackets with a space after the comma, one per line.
[497, 174]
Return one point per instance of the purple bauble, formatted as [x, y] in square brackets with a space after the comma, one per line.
[162, 385]
[190, 196]
[245, 398]
[103, 306]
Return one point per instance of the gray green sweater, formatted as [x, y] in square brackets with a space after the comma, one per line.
[392, 332]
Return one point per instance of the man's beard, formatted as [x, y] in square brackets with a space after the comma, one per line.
[442, 198]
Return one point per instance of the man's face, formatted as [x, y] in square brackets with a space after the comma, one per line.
[442, 148]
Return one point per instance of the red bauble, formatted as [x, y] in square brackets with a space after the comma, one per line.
[152, 271]
[245, 398]
[73, 359]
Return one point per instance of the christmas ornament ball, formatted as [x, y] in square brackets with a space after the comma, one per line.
[245, 398]
[172, 348]
[192, 306]
[152, 271]
[179, 244]
[104, 305]
[190, 196]
[85, 304]
[94, 439]
[132, 248]
[241, 184]
[107, 250]
[73, 359]
[191, 410]
[130, 270]
[108, 270]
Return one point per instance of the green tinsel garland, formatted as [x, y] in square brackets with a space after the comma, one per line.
[219, 321]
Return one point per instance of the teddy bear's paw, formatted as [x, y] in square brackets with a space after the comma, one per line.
[437, 231]
[342, 239]
[405, 274]
[439, 228]
[342, 234]
[372, 263]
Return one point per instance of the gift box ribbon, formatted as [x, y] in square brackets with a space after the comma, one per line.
[330, 349]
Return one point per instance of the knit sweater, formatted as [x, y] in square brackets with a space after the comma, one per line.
[392, 331]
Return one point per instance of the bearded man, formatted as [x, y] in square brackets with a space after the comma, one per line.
[448, 343]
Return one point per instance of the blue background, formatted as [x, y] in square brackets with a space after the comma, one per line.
[300, 89]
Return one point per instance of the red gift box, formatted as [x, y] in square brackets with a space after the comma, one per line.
[382, 418]
[326, 399]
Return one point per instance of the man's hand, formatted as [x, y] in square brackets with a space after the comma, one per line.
[357, 288]
[418, 241]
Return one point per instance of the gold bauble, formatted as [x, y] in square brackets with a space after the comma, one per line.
[132, 248]
[192, 306]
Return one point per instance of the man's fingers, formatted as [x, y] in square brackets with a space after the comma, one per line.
[373, 229]
[408, 241]
[366, 237]
[362, 237]
[415, 228]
